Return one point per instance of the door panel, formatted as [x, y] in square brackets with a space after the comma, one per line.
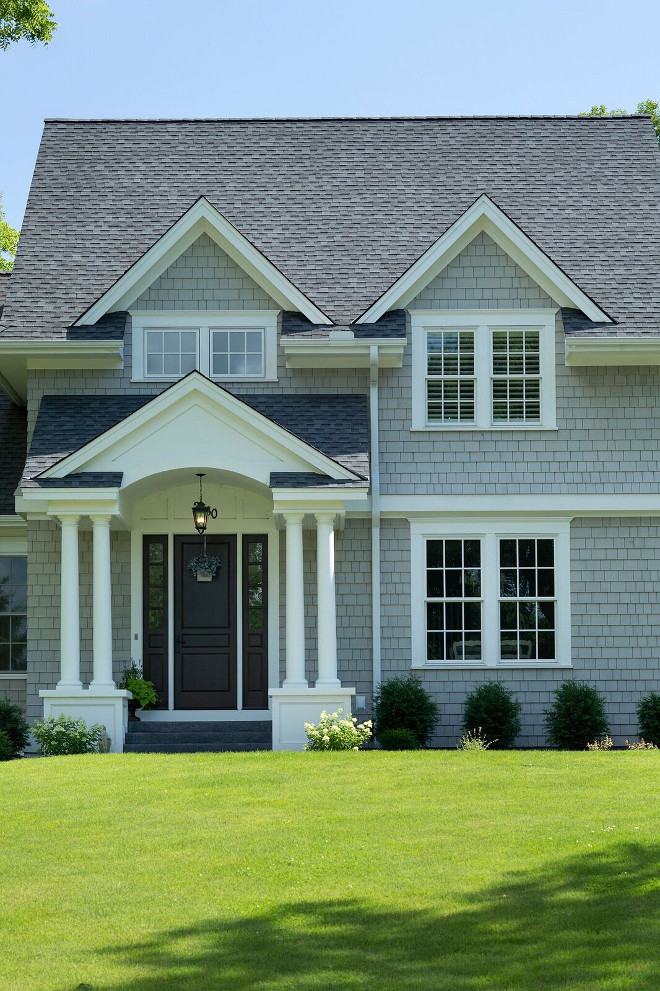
[205, 627]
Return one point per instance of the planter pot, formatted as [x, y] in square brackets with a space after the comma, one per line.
[204, 576]
[133, 706]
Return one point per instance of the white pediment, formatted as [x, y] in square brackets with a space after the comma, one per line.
[197, 424]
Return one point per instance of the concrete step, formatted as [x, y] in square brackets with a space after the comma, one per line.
[197, 736]
[191, 748]
[200, 738]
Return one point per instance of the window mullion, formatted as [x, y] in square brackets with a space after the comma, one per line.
[482, 362]
[204, 351]
[490, 591]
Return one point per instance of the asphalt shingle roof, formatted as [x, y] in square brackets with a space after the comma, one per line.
[13, 432]
[4, 288]
[335, 425]
[342, 207]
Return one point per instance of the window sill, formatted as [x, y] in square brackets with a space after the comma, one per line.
[256, 380]
[12, 675]
[473, 428]
[480, 666]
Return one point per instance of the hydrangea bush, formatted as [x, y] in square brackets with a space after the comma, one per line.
[337, 732]
[58, 735]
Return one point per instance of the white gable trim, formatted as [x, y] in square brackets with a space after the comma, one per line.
[197, 387]
[201, 218]
[484, 215]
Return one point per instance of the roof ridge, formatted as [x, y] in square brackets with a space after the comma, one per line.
[337, 119]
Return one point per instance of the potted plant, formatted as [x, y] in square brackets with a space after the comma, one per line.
[204, 567]
[144, 692]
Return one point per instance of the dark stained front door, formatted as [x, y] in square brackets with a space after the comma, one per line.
[205, 632]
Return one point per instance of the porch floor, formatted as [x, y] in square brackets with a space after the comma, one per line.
[198, 737]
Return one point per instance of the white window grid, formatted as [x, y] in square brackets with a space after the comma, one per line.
[248, 340]
[450, 378]
[489, 531]
[516, 375]
[453, 617]
[528, 617]
[237, 353]
[527, 399]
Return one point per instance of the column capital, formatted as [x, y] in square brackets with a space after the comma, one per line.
[325, 516]
[100, 519]
[69, 519]
[293, 518]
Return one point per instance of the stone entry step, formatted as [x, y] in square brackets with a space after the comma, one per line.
[197, 737]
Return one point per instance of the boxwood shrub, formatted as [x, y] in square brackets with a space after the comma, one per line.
[491, 711]
[14, 724]
[577, 716]
[404, 703]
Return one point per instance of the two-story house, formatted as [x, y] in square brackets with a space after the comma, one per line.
[416, 362]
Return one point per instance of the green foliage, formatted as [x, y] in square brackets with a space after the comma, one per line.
[29, 20]
[648, 715]
[8, 242]
[474, 740]
[14, 724]
[650, 107]
[403, 703]
[6, 746]
[398, 739]
[58, 735]
[337, 732]
[492, 710]
[577, 716]
[143, 692]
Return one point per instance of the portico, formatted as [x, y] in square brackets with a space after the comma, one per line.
[278, 493]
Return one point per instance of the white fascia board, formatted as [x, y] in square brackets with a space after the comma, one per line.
[590, 351]
[197, 386]
[356, 353]
[484, 215]
[201, 218]
[550, 504]
[83, 501]
[330, 495]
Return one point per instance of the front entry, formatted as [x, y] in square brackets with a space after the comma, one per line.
[205, 626]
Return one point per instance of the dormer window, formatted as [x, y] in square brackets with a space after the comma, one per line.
[228, 346]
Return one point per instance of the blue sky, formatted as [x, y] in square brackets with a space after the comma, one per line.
[208, 58]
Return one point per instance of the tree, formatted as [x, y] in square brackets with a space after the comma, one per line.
[31, 20]
[8, 243]
[650, 107]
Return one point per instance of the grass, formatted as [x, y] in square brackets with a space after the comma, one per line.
[493, 871]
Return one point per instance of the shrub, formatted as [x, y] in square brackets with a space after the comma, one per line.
[14, 724]
[492, 710]
[62, 734]
[577, 716]
[337, 732]
[6, 746]
[474, 740]
[403, 703]
[144, 692]
[648, 714]
[398, 739]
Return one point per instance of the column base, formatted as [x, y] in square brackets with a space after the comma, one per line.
[108, 707]
[293, 707]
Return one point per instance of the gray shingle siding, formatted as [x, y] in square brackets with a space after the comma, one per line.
[615, 620]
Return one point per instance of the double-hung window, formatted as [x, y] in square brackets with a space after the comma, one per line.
[13, 614]
[483, 369]
[490, 592]
[230, 346]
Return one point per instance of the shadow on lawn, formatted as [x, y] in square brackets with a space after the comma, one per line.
[589, 922]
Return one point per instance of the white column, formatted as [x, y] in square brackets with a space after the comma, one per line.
[295, 603]
[69, 606]
[102, 605]
[327, 610]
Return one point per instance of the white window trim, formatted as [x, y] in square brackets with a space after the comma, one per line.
[14, 546]
[489, 531]
[483, 322]
[203, 322]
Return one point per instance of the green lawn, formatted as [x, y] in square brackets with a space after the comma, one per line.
[372, 871]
